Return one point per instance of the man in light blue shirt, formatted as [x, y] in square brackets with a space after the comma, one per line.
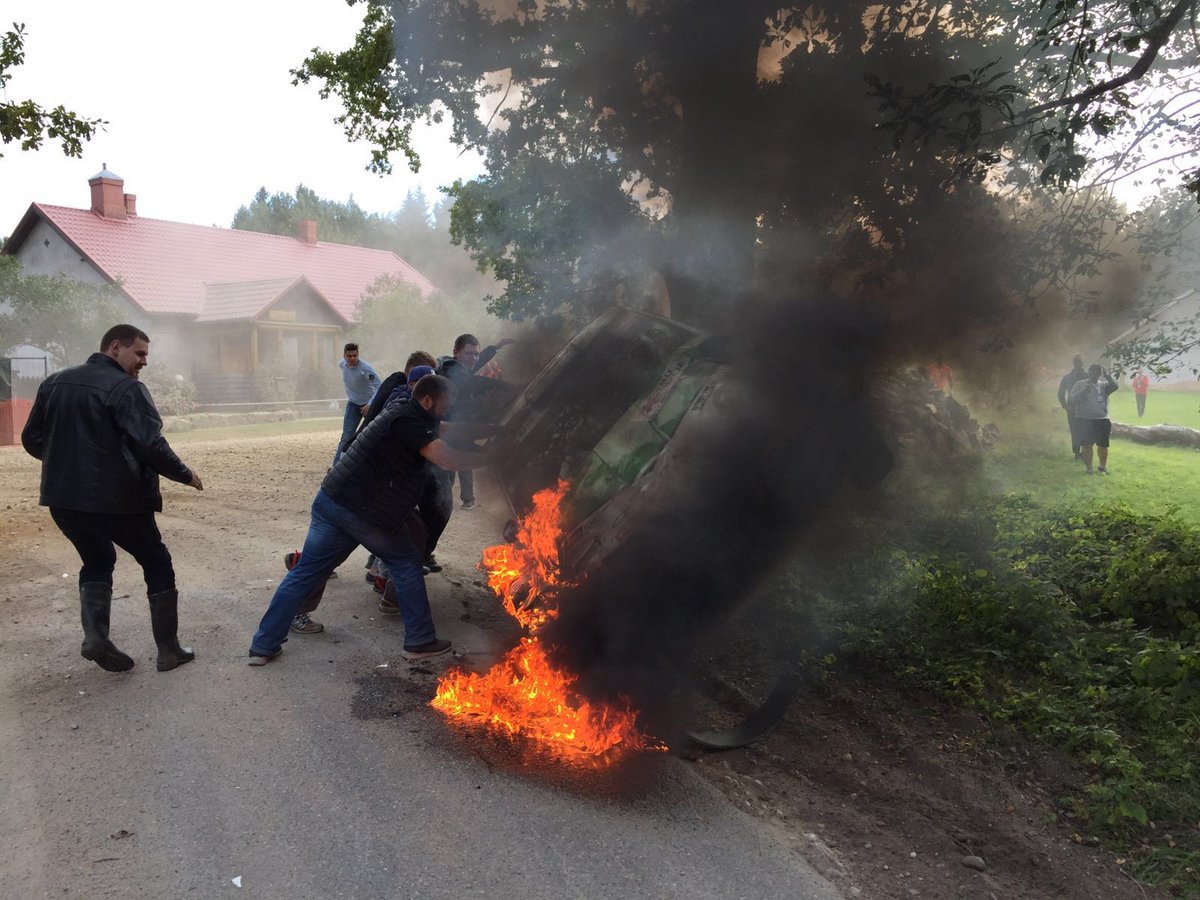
[361, 383]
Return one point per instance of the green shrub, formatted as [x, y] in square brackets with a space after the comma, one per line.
[1117, 564]
[173, 394]
[1077, 628]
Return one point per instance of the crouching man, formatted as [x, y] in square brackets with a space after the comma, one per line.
[99, 437]
[365, 498]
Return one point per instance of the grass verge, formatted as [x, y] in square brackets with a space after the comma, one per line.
[1063, 605]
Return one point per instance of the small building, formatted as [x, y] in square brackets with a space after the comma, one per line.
[222, 306]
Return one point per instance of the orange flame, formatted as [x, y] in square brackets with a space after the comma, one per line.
[525, 694]
[524, 575]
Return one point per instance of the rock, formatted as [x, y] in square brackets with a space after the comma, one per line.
[974, 862]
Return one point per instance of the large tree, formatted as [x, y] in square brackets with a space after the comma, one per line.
[55, 313]
[29, 122]
[851, 147]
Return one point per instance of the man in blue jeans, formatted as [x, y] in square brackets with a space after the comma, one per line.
[361, 382]
[365, 498]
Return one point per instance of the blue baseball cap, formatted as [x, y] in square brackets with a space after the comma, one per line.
[416, 373]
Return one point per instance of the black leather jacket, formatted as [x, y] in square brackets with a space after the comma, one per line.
[100, 441]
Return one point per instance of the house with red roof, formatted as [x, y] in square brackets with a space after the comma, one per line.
[221, 306]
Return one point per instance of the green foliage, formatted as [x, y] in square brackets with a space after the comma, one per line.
[617, 148]
[1117, 564]
[28, 122]
[64, 317]
[394, 321]
[1077, 627]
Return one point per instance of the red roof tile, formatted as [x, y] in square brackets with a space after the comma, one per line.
[164, 267]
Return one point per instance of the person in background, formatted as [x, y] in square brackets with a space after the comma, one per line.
[397, 384]
[361, 383]
[1141, 386]
[1072, 378]
[461, 368]
[1089, 402]
[99, 438]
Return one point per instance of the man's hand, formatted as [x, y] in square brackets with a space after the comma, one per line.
[196, 482]
[363, 409]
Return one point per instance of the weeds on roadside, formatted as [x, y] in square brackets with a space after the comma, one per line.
[1079, 628]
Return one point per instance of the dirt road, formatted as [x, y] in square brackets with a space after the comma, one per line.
[324, 774]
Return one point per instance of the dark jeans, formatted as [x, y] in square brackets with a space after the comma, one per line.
[95, 534]
[333, 534]
[350, 420]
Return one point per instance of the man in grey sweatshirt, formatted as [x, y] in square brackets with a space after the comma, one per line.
[1089, 403]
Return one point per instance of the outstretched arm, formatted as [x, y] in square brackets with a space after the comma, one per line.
[442, 454]
[138, 420]
[468, 431]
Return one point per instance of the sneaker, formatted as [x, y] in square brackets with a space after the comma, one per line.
[432, 564]
[425, 651]
[388, 608]
[290, 559]
[1103, 470]
[1088, 471]
[378, 583]
[371, 576]
[304, 624]
[261, 659]
[468, 504]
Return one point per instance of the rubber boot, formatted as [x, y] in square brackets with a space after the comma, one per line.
[164, 621]
[95, 602]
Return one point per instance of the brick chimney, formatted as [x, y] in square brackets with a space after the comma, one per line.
[307, 231]
[108, 199]
[131, 204]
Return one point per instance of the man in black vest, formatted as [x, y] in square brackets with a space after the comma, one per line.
[367, 498]
[99, 437]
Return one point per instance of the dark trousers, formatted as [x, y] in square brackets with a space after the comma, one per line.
[435, 506]
[97, 535]
[466, 488]
[1141, 404]
[1076, 446]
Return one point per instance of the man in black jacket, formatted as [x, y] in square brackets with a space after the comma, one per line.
[99, 437]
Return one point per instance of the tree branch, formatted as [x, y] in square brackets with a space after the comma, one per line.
[1158, 37]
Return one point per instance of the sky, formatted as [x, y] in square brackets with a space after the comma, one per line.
[200, 108]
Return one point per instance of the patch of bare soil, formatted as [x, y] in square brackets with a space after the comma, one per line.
[891, 794]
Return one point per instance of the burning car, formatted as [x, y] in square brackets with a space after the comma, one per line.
[624, 445]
